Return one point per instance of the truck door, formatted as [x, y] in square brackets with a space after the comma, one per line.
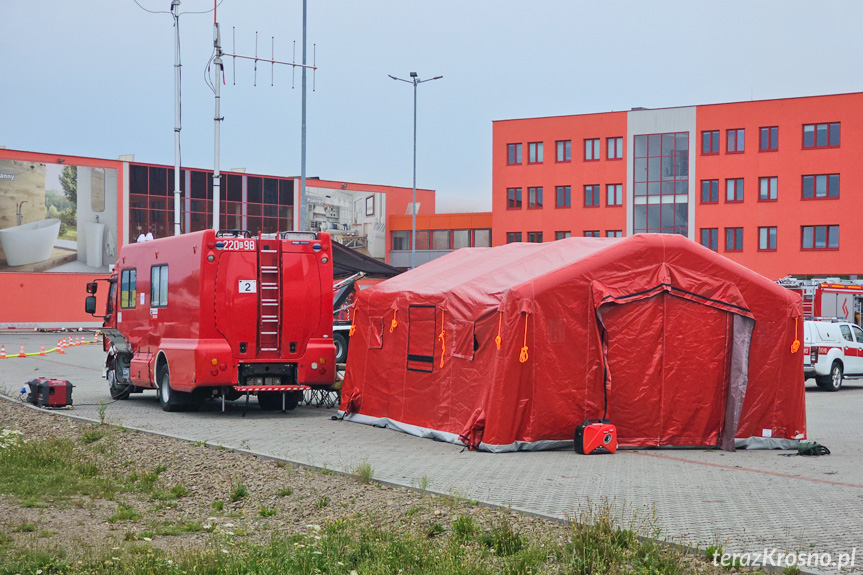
[237, 289]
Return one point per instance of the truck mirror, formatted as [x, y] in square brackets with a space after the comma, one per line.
[90, 305]
[92, 287]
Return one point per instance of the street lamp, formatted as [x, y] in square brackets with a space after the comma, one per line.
[415, 81]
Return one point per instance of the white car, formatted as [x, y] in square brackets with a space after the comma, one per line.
[832, 350]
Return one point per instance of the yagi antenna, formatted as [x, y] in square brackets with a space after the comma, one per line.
[271, 60]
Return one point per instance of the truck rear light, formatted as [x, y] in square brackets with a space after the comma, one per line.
[325, 259]
[813, 356]
[214, 361]
[214, 371]
[322, 360]
[314, 365]
[323, 370]
[223, 366]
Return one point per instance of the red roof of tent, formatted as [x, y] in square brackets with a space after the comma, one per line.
[512, 347]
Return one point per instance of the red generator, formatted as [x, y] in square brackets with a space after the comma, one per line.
[46, 392]
[595, 436]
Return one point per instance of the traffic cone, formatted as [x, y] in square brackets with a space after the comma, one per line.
[2, 352]
[42, 351]
[95, 337]
[22, 354]
[68, 341]
[78, 340]
[60, 346]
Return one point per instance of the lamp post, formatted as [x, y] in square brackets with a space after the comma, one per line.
[415, 81]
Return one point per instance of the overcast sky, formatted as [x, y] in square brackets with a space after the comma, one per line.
[95, 77]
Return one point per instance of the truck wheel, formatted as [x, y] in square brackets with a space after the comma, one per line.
[341, 347]
[834, 382]
[119, 391]
[168, 398]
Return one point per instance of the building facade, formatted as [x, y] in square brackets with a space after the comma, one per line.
[63, 220]
[774, 185]
[436, 235]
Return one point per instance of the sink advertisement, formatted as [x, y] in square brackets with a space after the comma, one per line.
[57, 217]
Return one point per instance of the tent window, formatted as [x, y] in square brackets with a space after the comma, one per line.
[376, 330]
[422, 334]
[463, 340]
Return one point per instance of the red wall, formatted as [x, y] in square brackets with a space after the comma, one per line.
[788, 164]
[550, 174]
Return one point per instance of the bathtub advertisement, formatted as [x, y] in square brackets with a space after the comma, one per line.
[354, 219]
[57, 217]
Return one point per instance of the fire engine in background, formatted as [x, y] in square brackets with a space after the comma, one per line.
[210, 314]
[829, 297]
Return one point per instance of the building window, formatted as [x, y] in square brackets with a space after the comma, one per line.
[614, 233]
[159, 286]
[734, 190]
[564, 150]
[660, 192]
[769, 139]
[591, 196]
[820, 238]
[534, 153]
[461, 239]
[734, 141]
[614, 194]
[710, 142]
[768, 189]
[821, 135]
[441, 240]
[401, 240]
[591, 149]
[482, 238]
[534, 197]
[534, 237]
[423, 240]
[563, 197]
[591, 233]
[562, 235]
[513, 198]
[513, 154]
[615, 149]
[710, 238]
[821, 186]
[709, 191]
[512, 237]
[733, 239]
[767, 239]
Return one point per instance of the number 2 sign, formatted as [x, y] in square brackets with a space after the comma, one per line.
[248, 286]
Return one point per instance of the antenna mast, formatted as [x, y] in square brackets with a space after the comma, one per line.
[217, 43]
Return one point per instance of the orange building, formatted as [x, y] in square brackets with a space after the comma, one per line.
[437, 234]
[64, 218]
[770, 184]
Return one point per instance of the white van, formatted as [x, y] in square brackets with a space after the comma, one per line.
[833, 349]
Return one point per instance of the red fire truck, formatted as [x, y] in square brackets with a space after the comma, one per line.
[828, 297]
[209, 314]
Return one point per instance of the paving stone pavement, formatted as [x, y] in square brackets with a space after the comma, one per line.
[747, 501]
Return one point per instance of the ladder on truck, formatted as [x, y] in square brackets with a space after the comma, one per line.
[270, 294]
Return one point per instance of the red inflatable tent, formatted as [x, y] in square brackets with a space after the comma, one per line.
[512, 347]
